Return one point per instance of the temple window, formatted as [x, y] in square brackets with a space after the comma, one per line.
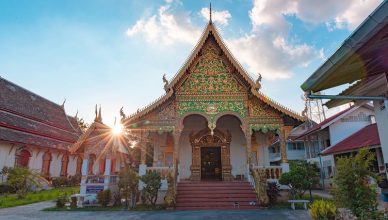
[46, 164]
[64, 165]
[22, 158]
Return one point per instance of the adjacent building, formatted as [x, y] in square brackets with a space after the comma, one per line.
[361, 61]
[330, 132]
[36, 133]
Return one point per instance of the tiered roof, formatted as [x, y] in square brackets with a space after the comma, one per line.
[29, 119]
[211, 30]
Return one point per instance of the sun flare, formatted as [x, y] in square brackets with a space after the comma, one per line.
[117, 129]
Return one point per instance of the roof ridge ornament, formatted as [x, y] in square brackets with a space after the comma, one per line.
[258, 81]
[63, 103]
[165, 83]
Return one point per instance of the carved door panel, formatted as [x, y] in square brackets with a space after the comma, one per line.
[211, 163]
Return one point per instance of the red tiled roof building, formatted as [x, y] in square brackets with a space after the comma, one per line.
[36, 133]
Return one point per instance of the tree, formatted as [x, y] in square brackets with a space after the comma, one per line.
[23, 179]
[351, 187]
[128, 185]
[82, 124]
[152, 183]
[302, 176]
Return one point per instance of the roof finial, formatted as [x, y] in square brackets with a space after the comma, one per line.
[210, 12]
[99, 114]
[63, 104]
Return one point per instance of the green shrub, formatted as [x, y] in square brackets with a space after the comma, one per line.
[273, 192]
[152, 183]
[61, 201]
[73, 202]
[61, 181]
[103, 197]
[323, 210]
[351, 188]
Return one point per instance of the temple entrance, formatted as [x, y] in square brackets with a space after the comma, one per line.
[211, 163]
[210, 155]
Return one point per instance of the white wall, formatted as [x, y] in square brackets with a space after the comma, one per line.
[196, 123]
[381, 112]
[72, 167]
[341, 130]
[238, 152]
[193, 123]
[7, 155]
[7, 158]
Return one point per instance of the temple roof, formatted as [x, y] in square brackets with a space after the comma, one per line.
[97, 130]
[171, 87]
[27, 118]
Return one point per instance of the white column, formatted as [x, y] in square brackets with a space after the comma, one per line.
[142, 172]
[84, 171]
[381, 112]
[107, 173]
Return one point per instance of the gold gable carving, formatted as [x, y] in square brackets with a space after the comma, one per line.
[212, 73]
[258, 108]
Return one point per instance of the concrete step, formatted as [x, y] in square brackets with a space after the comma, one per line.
[219, 199]
[215, 195]
[193, 208]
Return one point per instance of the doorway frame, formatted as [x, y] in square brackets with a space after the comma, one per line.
[204, 138]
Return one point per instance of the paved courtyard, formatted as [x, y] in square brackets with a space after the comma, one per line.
[33, 211]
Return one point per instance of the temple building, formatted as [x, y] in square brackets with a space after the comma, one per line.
[213, 122]
[36, 133]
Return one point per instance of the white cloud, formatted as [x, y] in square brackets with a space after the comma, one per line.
[272, 58]
[221, 17]
[356, 13]
[266, 49]
[336, 14]
[166, 28]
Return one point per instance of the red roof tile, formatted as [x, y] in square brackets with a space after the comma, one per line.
[30, 119]
[366, 137]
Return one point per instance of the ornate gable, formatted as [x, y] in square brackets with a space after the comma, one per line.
[212, 83]
[211, 73]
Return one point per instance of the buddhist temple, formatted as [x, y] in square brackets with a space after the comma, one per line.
[213, 122]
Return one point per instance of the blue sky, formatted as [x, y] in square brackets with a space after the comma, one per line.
[114, 53]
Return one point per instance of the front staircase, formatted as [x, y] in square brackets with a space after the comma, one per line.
[215, 195]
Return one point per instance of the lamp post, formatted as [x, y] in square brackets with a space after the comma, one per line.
[321, 172]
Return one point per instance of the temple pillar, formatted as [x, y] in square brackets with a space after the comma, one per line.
[143, 154]
[177, 135]
[284, 132]
[283, 150]
[107, 172]
[248, 138]
[84, 172]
